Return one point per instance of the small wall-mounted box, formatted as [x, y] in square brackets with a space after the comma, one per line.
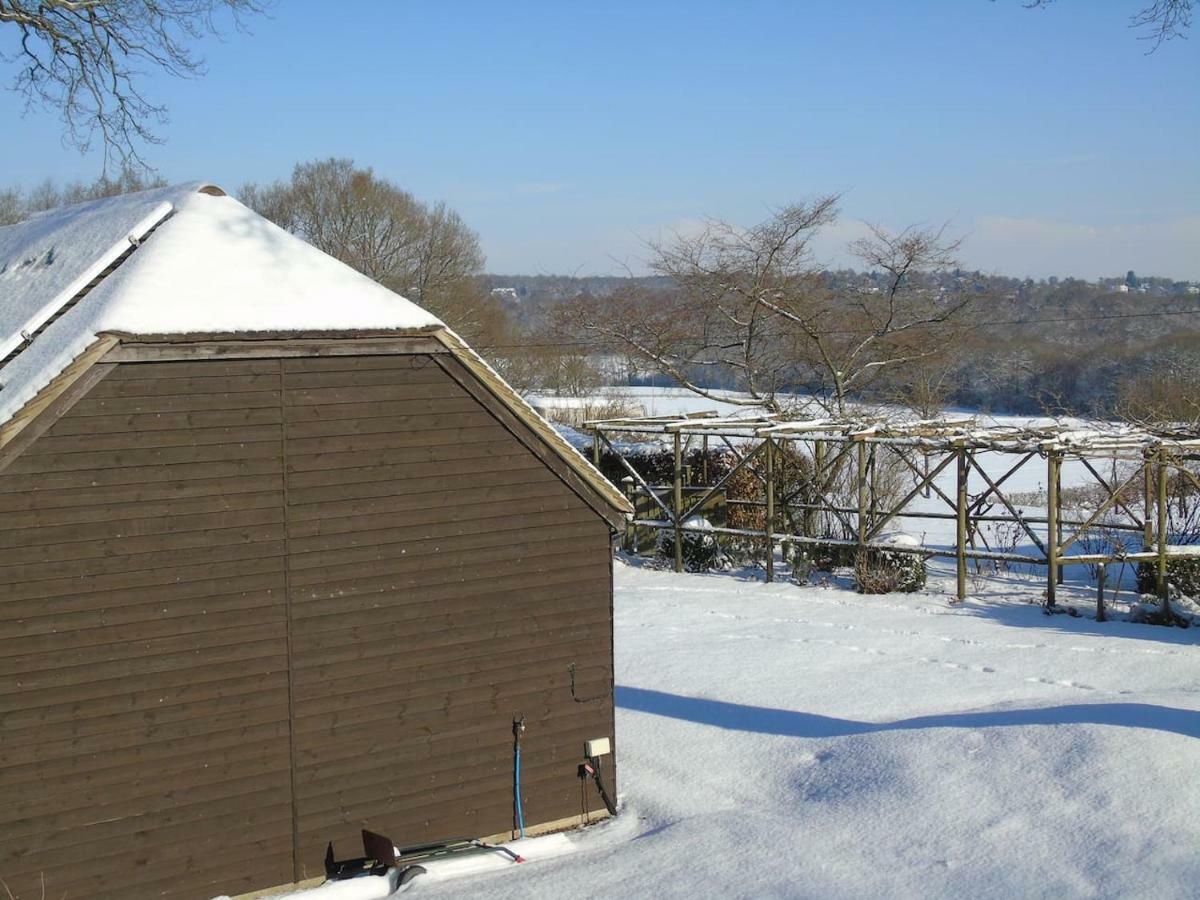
[597, 747]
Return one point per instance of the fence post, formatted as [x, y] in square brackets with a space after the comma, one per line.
[630, 529]
[960, 544]
[704, 459]
[678, 504]
[1147, 501]
[1163, 537]
[1052, 541]
[862, 494]
[1058, 493]
[1101, 577]
[596, 447]
[769, 529]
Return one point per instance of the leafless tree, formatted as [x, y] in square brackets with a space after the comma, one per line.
[84, 59]
[1161, 21]
[752, 302]
[16, 204]
[426, 253]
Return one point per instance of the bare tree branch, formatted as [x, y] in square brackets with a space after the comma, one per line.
[83, 58]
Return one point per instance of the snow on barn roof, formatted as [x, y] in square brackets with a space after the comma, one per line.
[189, 260]
[212, 266]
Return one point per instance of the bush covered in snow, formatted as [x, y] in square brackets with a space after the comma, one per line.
[701, 552]
[884, 571]
[1183, 573]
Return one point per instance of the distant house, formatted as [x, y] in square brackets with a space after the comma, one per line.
[280, 558]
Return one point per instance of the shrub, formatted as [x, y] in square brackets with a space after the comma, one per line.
[701, 552]
[1183, 574]
[885, 571]
[827, 557]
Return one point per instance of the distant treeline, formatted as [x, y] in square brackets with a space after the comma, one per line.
[1057, 345]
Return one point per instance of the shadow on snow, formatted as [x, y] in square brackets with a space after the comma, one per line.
[790, 723]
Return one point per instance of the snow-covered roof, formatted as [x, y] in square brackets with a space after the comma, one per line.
[189, 260]
[210, 265]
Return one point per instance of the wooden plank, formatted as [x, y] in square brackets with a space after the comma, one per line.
[156, 386]
[264, 447]
[260, 557]
[362, 362]
[71, 542]
[228, 735]
[245, 584]
[209, 368]
[465, 512]
[334, 396]
[95, 442]
[417, 551]
[214, 546]
[493, 494]
[315, 608]
[267, 349]
[354, 639]
[343, 491]
[129, 712]
[213, 474]
[437, 527]
[217, 646]
[146, 517]
[26, 495]
[145, 423]
[174, 403]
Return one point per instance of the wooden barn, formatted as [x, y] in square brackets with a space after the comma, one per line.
[280, 559]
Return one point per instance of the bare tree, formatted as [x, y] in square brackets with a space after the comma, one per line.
[1161, 21]
[82, 58]
[752, 303]
[17, 205]
[426, 253]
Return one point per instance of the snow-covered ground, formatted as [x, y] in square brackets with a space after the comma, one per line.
[785, 741]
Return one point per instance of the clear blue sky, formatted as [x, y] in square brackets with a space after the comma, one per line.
[567, 133]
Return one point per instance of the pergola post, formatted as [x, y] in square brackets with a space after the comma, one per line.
[1058, 493]
[1147, 501]
[1053, 464]
[1163, 537]
[960, 507]
[769, 529]
[862, 494]
[818, 480]
[678, 502]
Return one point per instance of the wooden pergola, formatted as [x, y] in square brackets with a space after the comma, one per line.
[926, 449]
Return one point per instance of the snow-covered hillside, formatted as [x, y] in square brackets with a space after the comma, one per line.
[779, 741]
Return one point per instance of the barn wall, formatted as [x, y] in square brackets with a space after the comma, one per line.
[143, 652]
[442, 581]
[164, 544]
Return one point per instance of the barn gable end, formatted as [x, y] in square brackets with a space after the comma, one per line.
[261, 588]
[253, 605]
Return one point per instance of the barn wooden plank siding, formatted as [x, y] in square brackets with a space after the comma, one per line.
[251, 605]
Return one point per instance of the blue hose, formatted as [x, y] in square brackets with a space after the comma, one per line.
[518, 727]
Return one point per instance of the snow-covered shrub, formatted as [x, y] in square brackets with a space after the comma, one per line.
[879, 570]
[701, 552]
[1183, 573]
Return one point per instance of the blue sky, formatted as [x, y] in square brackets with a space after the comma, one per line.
[567, 133]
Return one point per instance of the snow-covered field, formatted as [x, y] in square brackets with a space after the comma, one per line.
[785, 741]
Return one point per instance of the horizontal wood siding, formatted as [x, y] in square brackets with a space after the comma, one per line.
[251, 606]
[443, 580]
[143, 648]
